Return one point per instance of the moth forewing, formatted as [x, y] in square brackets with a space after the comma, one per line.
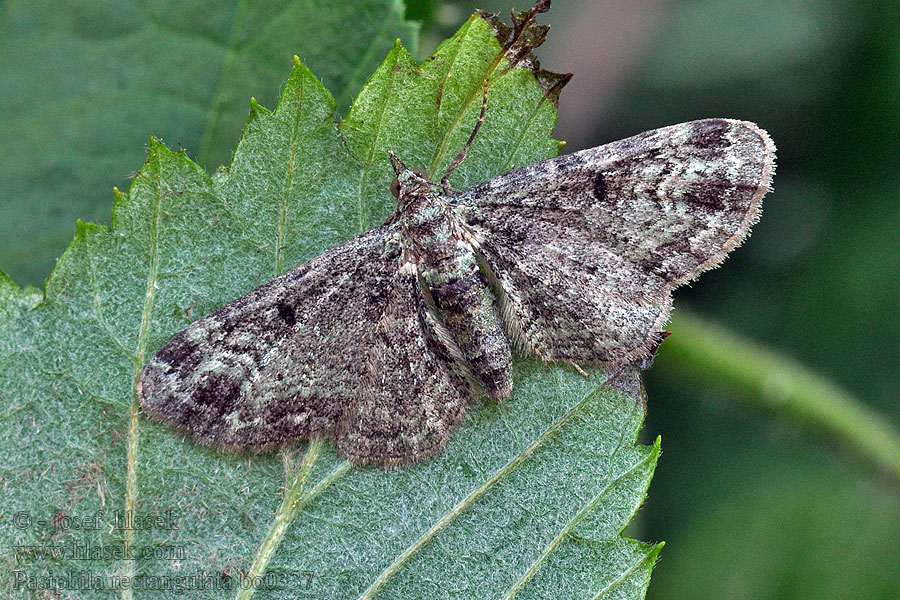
[375, 342]
[587, 247]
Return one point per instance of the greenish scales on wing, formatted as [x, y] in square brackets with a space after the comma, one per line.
[381, 341]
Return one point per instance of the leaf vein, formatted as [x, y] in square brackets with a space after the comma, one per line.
[288, 182]
[621, 578]
[425, 538]
[143, 334]
[476, 91]
[371, 151]
[98, 308]
[567, 529]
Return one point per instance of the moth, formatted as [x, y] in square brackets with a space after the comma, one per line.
[380, 342]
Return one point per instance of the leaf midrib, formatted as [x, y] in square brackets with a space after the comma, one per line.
[474, 495]
[288, 183]
[143, 335]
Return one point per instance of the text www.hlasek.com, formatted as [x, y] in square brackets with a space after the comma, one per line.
[76, 550]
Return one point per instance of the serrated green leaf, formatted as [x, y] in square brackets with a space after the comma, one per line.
[528, 500]
[86, 82]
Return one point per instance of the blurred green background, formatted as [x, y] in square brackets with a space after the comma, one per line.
[750, 506]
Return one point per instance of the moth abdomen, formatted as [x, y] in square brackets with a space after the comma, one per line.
[470, 312]
[377, 341]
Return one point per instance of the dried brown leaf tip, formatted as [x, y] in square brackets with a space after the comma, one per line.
[381, 341]
[520, 40]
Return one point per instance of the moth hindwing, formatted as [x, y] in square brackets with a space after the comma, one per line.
[380, 341]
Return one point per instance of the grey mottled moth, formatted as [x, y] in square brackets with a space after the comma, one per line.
[381, 341]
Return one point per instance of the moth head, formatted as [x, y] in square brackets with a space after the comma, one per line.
[407, 179]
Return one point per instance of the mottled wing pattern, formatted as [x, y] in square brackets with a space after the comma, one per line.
[588, 246]
[302, 354]
[409, 398]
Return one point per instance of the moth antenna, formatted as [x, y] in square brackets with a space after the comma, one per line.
[519, 27]
[462, 153]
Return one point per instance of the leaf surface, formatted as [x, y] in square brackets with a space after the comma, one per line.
[528, 500]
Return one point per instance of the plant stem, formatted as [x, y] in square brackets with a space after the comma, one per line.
[283, 518]
[710, 354]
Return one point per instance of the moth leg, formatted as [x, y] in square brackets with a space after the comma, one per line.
[578, 368]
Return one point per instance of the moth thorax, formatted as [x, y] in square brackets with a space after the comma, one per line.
[427, 218]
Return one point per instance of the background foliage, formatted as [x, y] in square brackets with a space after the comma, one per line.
[750, 507]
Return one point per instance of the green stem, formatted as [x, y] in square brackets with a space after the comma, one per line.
[712, 355]
[292, 501]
